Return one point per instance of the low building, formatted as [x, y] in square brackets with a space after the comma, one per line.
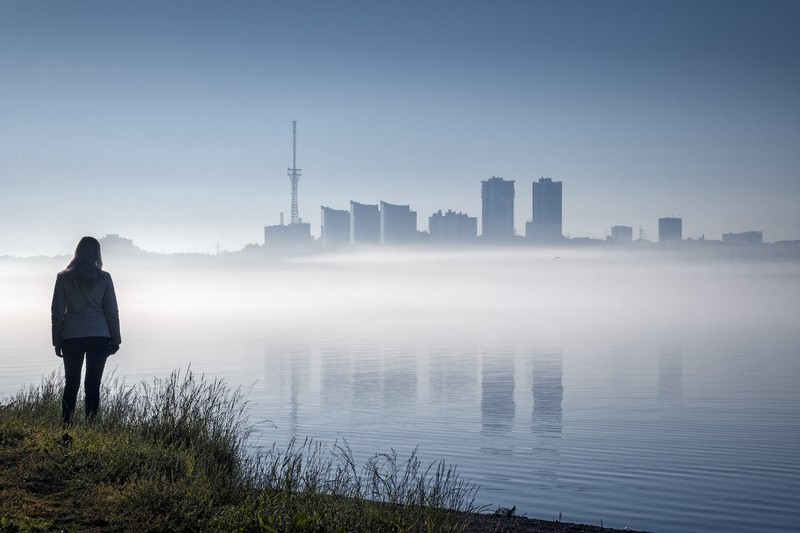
[622, 233]
[289, 236]
[748, 237]
[114, 244]
[452, 228]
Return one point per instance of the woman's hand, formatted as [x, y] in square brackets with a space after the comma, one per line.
[113, 348]
[58, 351]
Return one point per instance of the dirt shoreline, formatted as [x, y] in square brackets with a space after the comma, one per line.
[493, 523]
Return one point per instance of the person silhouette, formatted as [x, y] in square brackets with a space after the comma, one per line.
[85, 322]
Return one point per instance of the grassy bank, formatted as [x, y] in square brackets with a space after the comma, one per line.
[171, 455]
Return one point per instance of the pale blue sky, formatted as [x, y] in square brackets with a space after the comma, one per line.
[170, 122]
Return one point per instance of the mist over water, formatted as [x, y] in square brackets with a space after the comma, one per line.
[648, 389]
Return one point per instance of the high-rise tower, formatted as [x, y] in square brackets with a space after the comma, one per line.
[497, 199]
[545, 225]
[294, 175]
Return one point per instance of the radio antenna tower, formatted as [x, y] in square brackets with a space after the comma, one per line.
[294, 175]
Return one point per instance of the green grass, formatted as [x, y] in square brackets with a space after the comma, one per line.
[173, 454]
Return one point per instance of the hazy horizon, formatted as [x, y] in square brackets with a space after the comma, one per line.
[170, 123]
[656, 391]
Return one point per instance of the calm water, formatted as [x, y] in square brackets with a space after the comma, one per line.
[654, 392]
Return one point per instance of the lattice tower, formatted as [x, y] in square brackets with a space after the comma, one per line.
[294, 175]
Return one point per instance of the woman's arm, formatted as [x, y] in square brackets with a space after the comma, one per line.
[57, 310]
[111, 311]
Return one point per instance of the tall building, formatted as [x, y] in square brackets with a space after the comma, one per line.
[497, 213]
[670, 229]
[335, 227]
[622, 233]
[545, 223]
[365, 223]
[452, 227]
[398, 224]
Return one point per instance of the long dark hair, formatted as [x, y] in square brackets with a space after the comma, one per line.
[85, 266]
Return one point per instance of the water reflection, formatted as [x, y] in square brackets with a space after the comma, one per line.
[287, 369]
[670, 372]
[546, 422]
[366, 382]
[399, 377]
[336, 377]
[497, 399]
[548, 392]
[452, 375]
[336, 383]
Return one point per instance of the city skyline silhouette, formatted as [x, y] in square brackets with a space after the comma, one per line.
[173, 120]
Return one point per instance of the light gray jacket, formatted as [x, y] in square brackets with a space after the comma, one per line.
[77, 312]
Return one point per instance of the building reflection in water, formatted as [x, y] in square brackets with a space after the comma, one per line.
[548, 392]
[286, 370]
[399, 377]
[497, 399]
[366, 392]
[670, 372]
[336, 378]
[452, 375]
[380, 379]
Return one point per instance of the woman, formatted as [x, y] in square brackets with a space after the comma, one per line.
[85, 322]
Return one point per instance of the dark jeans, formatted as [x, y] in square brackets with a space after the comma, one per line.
[96, 350]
